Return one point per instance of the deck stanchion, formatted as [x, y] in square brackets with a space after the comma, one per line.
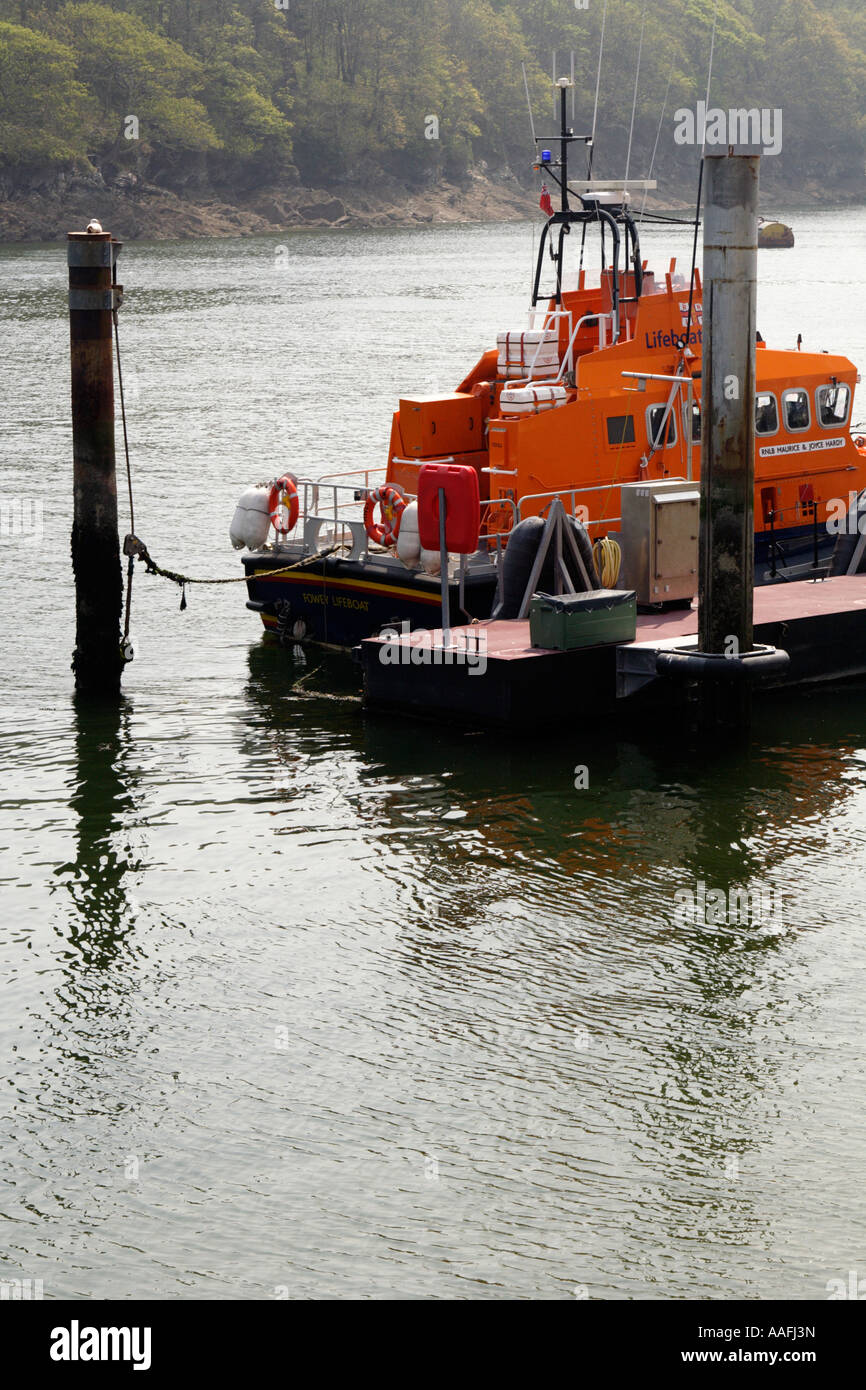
[726, 566]
[97, 660]
[443, 572]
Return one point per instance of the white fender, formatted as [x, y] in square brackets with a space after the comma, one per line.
[430, 563]
[408, 544]
[251, 521]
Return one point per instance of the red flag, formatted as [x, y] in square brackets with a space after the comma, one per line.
[544, 201]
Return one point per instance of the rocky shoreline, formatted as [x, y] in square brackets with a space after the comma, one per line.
[45, 210]
[134, 209]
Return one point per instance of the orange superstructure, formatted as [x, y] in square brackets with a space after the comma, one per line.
[599, 390]
[604, 387]
[613, 421]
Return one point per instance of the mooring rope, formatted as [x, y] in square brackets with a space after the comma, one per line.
[129, 567]
[133, 546]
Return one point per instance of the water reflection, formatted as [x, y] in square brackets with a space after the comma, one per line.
[103, 799]
[632, 1064]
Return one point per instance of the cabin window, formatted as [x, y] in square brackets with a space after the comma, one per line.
[766, 413]
[696, 423]
[833, 402]
[620, 429]
[655, 429]
[795, 404]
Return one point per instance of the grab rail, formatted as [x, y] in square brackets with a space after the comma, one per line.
[571, 494]
[602, 339]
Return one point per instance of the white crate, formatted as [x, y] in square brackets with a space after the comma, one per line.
[519, 350]
[529, 400]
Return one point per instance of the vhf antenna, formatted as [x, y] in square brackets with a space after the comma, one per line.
[529, 105]
[556, 84]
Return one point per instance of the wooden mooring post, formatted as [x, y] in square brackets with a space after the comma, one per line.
[97, 660]
[727, 543]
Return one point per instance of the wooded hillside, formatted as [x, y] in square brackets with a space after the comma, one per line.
[238, 94]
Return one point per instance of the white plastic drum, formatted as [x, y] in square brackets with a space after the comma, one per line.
[408, 543]
[251, 521]
[430, 562]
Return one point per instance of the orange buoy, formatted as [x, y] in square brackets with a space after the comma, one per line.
[283, 504]
[392, 505]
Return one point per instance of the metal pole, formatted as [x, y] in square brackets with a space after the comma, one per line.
[97, 660]
[563, 126]
[727, 541]
[443, 573]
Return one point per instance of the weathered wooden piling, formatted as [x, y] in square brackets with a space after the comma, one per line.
[97, 661]
[727, 543]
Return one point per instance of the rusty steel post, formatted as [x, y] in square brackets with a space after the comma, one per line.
[97, 661]
[727, 541]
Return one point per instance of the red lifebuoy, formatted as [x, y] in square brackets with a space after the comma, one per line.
[283, 504]
[392, 504]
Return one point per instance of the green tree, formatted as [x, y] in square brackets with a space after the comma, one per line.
[132, 71]
[43, 110]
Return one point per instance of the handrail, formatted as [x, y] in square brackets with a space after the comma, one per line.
[320, 504]
[549, 316]
[419, 463]
[349, 473]
[496, 502]
[571, 494]
[687, 443]
[568, 352]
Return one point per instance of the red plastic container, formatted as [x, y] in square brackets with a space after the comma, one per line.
[462, 507]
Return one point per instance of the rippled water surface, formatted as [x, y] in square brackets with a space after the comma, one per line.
[297, 999]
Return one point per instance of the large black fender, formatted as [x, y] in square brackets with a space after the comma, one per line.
[519, 558]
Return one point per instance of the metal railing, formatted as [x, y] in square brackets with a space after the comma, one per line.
[686, 432]
[570, 493]
[332, 514]
[419, 463]
[602, 339]
[355, 473]
[550, 335]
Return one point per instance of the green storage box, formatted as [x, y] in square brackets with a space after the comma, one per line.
[565, 621]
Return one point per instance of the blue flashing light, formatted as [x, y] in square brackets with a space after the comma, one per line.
[546, 156]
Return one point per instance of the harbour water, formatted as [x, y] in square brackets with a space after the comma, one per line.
[302, 1002]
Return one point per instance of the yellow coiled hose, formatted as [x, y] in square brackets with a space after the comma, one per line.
[608, 558]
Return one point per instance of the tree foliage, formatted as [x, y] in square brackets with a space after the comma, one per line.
[44, 111]
[356, 89]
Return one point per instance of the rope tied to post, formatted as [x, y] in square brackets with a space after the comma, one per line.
[134, 547]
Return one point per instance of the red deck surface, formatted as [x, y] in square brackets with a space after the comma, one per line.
[508, 640]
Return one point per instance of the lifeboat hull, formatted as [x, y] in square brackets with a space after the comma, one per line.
[337, 603]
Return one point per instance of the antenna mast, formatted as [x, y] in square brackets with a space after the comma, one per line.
[528, 103]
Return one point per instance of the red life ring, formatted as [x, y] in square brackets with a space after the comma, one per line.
[393, 505]
[283, 504]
